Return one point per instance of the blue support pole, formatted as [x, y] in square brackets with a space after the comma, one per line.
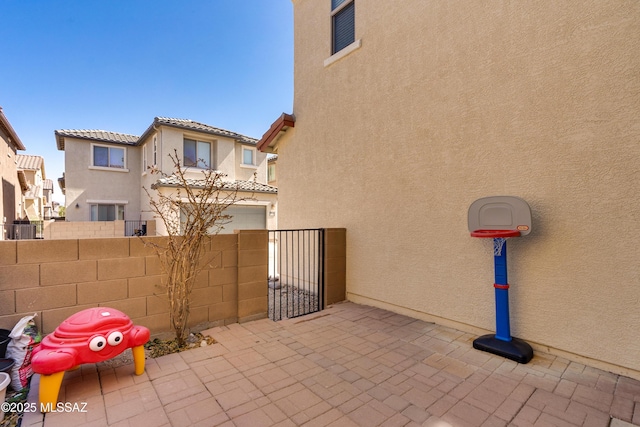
[502, 343]
[503, 328]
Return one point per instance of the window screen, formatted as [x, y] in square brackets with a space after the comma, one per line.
[116, 157]
[190, 156]
[100, 156]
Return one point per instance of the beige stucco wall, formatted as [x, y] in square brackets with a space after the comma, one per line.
[247, 173]
[173, 141]
[85, 229]
[10, 192]
[463, 100]
[146, 177]
[226, 153]
[105, 185]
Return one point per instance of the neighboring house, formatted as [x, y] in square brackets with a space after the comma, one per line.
[31, 174]
[50, 206]
[102, 175]
[105, 172]
[61, 183]
[400, 127]
[10, 192]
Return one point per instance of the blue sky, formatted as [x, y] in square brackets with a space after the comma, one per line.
[115, 65]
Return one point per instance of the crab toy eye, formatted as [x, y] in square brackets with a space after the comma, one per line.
[115, 338]
[97, 343]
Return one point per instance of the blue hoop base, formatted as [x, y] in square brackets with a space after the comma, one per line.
[516, 349]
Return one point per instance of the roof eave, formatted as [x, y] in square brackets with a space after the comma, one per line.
[268, 142]
[146, 133]
[62, 184]
[159, 184]
[22, 179]
[60, 138]
[13, 136]
[156, 123]
[155, 186]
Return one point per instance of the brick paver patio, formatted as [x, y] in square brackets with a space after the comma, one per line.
[350, 365]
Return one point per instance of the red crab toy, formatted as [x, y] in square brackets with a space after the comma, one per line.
[89, 336]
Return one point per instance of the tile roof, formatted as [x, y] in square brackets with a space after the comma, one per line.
[95, 135]
[22, 179]
[127, 139]
[48, 184]
[256, 187]
[200, 127]
[27, 161]
[270, 137]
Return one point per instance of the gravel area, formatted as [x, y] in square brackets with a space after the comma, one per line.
[288, 301]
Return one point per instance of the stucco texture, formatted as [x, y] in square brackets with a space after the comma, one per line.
[10, 191]
[448, 101]
[107, 185]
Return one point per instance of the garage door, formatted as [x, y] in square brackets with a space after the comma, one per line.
[246, 218]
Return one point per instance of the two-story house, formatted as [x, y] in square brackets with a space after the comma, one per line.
[105, 172]
[10, 191]
[102, 175]
[31, 174]
[49, 203]
[403, 116]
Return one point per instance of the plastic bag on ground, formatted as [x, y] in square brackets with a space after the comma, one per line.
[24, 336]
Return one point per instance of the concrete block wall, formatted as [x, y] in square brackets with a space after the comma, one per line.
[56, 278]
[253, 260]
[335, 265]
[54, 230]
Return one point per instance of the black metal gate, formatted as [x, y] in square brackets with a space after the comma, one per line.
[296, 272]
[135, 228]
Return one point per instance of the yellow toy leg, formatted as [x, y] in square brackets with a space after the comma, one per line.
[138, 359]
[49, 389]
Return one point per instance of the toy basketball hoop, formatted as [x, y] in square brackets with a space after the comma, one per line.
[500, 218]
[499, 237]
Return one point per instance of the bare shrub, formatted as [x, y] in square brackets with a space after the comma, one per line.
[191, 212]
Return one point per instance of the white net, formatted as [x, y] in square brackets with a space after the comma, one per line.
[498, 244]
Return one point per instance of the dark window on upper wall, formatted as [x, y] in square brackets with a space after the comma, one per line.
[197, 153]
[343, 24]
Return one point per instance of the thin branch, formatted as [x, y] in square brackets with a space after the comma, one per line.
[191, 213]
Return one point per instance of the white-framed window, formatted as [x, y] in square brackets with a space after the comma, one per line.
[107, 211]
[145, 164]
[197, 154]
[343, 28]
[106, 156]
[271, 173]
[155, 150]
[248, 156]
